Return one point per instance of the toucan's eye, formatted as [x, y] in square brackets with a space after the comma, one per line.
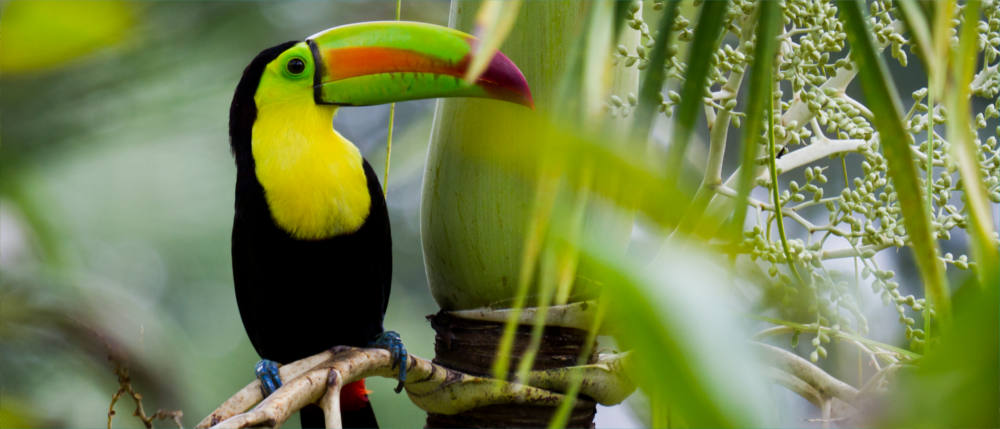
[296, 66]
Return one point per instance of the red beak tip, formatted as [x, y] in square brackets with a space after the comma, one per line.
[504, 80]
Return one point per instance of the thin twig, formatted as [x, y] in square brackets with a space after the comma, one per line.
[875, 381]
[125, 386]
[901, 354]
[775, 196]
[827, 410]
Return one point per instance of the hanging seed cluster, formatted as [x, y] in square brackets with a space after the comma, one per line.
[860, 216]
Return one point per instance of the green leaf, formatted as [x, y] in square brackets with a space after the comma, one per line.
[583, 89]
[955, 384]
[628, 179]
[707, 376]
[963, 146]
[621, 14]
[652, 84]
[881, 95]
[495, 20]
[920, 33]
[49, 34]
[768, 21]
[706, 41]
[596, 77]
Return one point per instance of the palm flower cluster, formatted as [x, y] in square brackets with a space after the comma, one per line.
[819, 131]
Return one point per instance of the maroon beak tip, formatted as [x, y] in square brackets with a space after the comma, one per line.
[503, 80]
[503, 74]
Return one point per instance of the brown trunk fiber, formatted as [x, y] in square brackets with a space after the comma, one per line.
[470, 346]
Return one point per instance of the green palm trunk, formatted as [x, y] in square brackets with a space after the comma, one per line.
[475, 213]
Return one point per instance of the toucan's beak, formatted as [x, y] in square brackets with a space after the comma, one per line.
[382, 62]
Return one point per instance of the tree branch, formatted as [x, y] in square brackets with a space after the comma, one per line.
[812, 153]
[799, 113]
[251, 394]
[604, 381]
[826, 385]
[837, 400]
[330, 403]
[431, 387]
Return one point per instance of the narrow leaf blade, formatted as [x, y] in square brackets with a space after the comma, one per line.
[920, 31]
[706, 40]
[495, 20]
[768, 21]
[881, 95]
[963, 147]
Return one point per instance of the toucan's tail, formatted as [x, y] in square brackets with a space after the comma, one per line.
[356, 411]
[360, 418]
[312, 417]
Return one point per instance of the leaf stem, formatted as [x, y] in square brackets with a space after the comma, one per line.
[768, 22]
[929, 166]
[392, 120]
[965, 151]
[838, 333]
[775, 196]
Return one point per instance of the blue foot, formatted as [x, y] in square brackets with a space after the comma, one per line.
[267, 373]
[390, 341]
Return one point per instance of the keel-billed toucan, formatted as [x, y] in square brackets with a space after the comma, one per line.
[312, 259]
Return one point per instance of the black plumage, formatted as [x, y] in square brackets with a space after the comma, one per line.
[300, 297]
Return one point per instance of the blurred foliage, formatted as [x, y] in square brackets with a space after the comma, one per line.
[794, 271]
[704, 377]
[965, 364]
[116, 188]
[116, 181]
[35, 39]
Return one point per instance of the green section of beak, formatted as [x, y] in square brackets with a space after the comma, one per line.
[385, 88]
[382, 62]
[429, 39]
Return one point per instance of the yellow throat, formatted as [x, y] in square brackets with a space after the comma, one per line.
[313, 178]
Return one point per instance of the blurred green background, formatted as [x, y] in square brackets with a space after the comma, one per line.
[116, 185]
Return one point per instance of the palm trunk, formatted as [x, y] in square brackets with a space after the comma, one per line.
[475, 214]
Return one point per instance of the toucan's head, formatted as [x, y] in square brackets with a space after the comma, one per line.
[375, 63]
[364, 64]
[286, 150]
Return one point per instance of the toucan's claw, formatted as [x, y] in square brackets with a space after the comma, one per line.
[390, 341]
[267, 373]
